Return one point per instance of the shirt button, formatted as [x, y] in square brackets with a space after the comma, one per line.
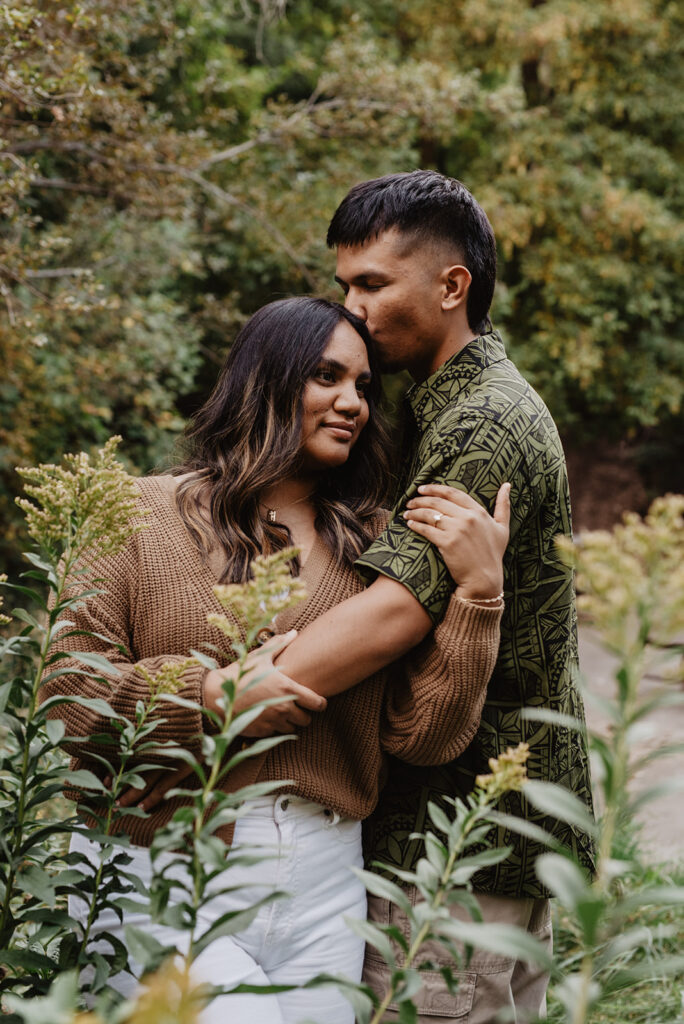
[263, 635]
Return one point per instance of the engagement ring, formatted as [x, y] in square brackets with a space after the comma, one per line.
[437, 517]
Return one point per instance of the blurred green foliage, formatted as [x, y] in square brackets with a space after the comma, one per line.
[167, 167]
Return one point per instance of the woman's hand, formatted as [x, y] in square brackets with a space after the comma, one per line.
[472, 542]
[278, 718]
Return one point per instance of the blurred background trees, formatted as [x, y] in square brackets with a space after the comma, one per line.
[167, 167]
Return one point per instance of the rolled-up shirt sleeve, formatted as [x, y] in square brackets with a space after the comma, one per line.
[475, 455]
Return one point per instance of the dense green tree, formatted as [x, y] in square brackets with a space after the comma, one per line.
[168, 167]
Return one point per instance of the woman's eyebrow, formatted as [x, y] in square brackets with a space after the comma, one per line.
[337, 367]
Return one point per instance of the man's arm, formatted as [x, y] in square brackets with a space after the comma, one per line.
[367, 631]
[356, 638]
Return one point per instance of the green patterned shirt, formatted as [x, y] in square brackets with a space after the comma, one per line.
[477, 423]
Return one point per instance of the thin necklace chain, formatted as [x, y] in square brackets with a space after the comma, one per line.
[272, 513]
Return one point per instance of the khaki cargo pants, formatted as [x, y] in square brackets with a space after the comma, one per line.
[491, 984]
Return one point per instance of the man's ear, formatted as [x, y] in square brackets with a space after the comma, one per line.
[456, 282]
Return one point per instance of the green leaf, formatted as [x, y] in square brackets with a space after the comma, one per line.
[386, 890]
[82, 778]
[568, 882]
[374, 936]
[203, 659]
[24, 616]
[408, 1014]
[55, 730]
[26, 959]
[34, 596]
[525, 828]
[234, 921]
[554, 718]
[59, 1005]
[503, 939]
[97, 661]
[439, 818]
[145, 948]
[560, 803]
[96, 704]
[36, 882]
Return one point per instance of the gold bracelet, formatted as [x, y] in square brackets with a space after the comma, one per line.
[483, 600]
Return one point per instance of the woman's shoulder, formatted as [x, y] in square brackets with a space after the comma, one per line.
[157, 503]
[378, 521]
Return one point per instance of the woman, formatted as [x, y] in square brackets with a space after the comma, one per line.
[290, 448]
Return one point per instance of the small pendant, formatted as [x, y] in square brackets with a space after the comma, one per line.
[271, 515]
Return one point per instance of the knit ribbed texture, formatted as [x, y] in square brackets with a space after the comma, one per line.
[424, 709]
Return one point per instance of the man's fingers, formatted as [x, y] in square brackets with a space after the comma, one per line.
[297, 717]
[131, 796]
[305, 697]
[158, 792]
[502, 509]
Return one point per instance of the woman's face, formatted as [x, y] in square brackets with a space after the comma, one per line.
[334, 402]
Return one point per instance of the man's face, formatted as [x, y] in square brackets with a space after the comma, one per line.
[397, 288]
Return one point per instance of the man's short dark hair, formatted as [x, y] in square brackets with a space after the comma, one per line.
[430, 207]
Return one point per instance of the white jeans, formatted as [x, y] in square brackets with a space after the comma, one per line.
[290, 940]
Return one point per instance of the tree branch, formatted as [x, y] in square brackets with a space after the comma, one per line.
[226, 197]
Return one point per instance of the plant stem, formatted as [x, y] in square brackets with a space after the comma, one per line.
[612, 811]
[24, 774]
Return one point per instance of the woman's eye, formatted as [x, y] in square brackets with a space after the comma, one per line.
[327, 376]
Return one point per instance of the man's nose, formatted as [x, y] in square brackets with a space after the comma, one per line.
[353, 301]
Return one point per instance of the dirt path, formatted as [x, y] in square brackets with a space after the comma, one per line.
[663, 821]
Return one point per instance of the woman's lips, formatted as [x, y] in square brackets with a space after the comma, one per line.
[344, 431]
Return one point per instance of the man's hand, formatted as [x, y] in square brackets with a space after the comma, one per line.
[298, 700]
[472, 542]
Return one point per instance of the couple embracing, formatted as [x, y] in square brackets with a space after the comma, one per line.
[425, 631]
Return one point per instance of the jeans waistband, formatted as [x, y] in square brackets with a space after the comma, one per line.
[277, 804]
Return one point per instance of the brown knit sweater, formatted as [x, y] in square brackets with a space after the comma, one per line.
[424, 710]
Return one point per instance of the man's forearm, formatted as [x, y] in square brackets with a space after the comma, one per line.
[356, 638]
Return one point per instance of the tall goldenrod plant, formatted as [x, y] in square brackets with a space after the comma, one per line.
[631, 584]
[70, 509]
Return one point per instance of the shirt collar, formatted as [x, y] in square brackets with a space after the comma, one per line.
[429, 397]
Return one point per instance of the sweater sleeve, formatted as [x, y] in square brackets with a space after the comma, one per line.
[433, 710]
[110, 615]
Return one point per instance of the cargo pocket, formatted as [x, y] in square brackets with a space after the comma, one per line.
[433, 999]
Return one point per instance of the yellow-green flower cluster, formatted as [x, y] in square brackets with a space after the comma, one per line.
[253, 605]
[169, 678]
[631, 581]
[4, 619]
[81, 503]
[508, 772]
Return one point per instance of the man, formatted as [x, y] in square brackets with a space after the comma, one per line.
[416, 260]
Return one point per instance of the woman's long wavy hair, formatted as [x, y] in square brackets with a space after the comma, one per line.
[247, 437]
